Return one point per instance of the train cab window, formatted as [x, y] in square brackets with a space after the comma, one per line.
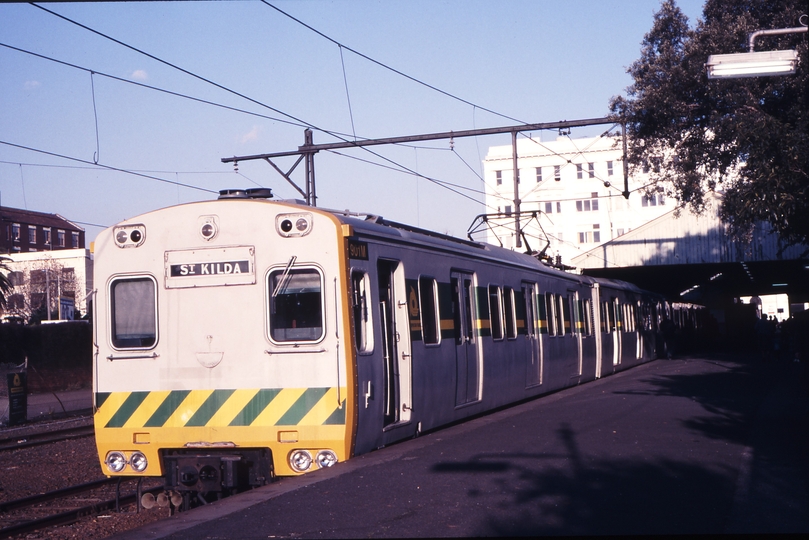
[133, 307]
[296, 305]
[430, 328]
[496, 312]
[508, 308]
[363, 325]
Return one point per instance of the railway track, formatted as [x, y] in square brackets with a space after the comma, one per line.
[68, 505]
[45, 437]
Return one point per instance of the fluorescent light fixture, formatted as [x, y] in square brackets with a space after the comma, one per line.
[752, 64]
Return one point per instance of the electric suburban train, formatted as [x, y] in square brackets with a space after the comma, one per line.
[243, 338]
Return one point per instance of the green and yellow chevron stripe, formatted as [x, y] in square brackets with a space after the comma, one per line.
[262, 407]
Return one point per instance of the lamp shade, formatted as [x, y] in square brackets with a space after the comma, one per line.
[752, 64]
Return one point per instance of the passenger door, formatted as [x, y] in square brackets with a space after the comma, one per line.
[466, 354]
[533, 351]
[395, 342]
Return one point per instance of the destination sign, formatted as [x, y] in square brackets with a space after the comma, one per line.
[209, 268]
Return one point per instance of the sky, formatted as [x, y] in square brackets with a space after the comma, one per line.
[112, 109]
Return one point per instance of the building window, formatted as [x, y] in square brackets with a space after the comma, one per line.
[60, 238]
[499, 176]
[597, 233]
[32, 235]
[75, 239]
[609, 168]
[579, 174]
[46, 236]
[584, 237]
[15, 232]
[539, 174]
[558, 207]
[508, 210]
[557, 173]
[591, 170]
[549, 208]
[17, 279]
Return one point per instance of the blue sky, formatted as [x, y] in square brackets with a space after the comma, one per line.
[533, 61]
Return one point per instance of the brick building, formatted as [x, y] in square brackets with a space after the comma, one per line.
[23, 231]
[49, 268]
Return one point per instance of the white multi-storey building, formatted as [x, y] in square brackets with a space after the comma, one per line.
[576, 187]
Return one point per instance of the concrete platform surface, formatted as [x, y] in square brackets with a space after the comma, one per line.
[683, 446]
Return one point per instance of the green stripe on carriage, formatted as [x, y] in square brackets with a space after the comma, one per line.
[301, 407]
[130, 404]
[256, 405]
[209, 408]
[101, 397]
[167, 408]
[338, 417]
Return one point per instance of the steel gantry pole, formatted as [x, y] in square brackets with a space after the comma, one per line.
[517, 225]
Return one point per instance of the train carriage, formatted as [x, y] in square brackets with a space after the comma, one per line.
[245, 338]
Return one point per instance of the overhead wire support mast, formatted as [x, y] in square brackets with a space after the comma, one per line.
[308, 151]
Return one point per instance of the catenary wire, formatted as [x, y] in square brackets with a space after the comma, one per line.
[107, 167]
[222, 87]
[385, 66]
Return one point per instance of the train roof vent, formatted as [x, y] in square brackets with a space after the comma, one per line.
[252, 193]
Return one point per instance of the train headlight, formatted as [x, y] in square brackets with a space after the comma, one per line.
[116, 461]
[300, 460]
[326, 458]
[138, 462]
[293, 225]
[129, 236]
[208, 227]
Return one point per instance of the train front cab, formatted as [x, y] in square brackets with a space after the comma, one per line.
[215, 379]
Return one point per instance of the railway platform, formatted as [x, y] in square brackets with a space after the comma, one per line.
[697, 445]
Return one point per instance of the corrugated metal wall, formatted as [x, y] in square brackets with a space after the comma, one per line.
[687, 239]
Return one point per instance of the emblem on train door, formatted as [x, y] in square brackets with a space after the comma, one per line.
[413, 303]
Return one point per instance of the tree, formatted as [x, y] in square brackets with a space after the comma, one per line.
[744, 138]
[5, 284]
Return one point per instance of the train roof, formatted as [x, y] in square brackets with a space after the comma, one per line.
[375, 226]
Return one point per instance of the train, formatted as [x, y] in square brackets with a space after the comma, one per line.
[245, 338]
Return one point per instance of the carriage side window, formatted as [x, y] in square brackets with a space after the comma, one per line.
[511, 321]
[296, 305]
[606, 317]
[495, 312]
[133, 310]
[428, 292]
[551, 314]
[360, 302]
[587, 316]
[564, 315]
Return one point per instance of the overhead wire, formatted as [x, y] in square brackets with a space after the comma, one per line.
[107, 167]
[389, 68]
[222, 87]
